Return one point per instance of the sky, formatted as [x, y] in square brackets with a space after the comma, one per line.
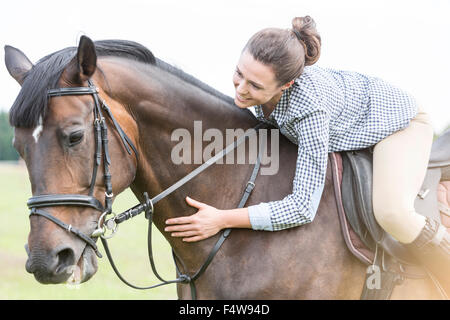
[406, 43]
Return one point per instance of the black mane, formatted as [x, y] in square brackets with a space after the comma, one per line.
[31, 102]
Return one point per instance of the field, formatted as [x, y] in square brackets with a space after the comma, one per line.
[129, 248]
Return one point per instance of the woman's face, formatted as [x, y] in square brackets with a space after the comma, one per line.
[254, 82]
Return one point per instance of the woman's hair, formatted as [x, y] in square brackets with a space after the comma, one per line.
[287, 51]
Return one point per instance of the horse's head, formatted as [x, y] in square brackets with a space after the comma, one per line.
[55, 136]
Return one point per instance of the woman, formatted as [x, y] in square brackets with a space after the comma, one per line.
[325, 110]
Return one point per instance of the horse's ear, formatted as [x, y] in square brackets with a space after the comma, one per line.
[17, 63]
[83, 66]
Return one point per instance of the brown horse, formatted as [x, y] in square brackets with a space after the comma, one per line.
[150, 100]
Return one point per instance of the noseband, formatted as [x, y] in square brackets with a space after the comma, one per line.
[35, 203]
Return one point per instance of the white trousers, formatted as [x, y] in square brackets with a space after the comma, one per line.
[399, 167]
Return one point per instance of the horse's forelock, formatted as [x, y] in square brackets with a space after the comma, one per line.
[31, 102]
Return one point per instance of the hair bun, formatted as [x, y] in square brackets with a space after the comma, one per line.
[305, 29]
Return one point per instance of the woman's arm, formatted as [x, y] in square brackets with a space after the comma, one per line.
[300, 206]
[293, 210]
[206, 222]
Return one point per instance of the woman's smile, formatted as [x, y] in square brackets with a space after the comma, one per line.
[241, 98]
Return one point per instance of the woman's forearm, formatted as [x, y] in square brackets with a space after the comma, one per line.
[206, 222]
[236, 218]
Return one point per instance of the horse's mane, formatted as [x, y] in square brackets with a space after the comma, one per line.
[31, 102]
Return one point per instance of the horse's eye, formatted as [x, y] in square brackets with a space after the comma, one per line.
[75, 138]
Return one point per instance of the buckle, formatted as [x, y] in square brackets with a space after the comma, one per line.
[109, 195]
[423, 193]
[249, 187]
[149, 206]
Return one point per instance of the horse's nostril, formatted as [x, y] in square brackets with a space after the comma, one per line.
[66, 258]
[51, 267]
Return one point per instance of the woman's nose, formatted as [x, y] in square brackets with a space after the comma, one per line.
[241, 88]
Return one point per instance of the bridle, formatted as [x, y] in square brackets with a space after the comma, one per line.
[36, 203]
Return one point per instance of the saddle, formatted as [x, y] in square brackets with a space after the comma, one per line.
[352, 176]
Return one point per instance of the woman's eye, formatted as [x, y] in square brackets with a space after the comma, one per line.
[75, 138]
[255, 86]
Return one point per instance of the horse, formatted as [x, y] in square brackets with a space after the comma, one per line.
[149, 99]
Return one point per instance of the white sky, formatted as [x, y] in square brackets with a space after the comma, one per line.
[404, 42]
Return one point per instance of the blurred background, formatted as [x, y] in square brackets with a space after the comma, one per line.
[404, 42]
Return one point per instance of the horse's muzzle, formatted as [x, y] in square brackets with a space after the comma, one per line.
[54, 267]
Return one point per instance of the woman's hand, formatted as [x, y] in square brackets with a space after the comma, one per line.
[205, 223]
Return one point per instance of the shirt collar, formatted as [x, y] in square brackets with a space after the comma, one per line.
[277, 115]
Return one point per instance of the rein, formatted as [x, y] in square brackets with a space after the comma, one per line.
[104, 225]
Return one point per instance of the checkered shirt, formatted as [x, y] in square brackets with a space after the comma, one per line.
[324, 111]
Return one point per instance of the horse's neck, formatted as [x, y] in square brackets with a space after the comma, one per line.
[161, 105]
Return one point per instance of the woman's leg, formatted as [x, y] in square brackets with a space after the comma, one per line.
[399, 167]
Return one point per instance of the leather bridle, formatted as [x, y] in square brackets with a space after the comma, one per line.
[36, 203]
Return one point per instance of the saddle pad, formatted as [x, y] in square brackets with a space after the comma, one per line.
[353, 241]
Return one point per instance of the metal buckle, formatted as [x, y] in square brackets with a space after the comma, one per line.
[250, 186]
[423, 193]
[109, 195]
[149, 203]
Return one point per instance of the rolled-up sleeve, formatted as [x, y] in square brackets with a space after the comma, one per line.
[300, 206]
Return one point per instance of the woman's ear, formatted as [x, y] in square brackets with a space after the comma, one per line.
[287, 85]
[84, 64]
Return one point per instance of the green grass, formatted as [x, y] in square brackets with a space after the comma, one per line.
[129, 248]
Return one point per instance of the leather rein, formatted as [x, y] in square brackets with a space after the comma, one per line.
[36, 203]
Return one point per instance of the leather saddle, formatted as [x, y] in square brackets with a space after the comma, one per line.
[357, 196]
[352, 177]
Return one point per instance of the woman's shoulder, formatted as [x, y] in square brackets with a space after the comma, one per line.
[307, 92]
[331, 87]
[305, 104]
[316, 81]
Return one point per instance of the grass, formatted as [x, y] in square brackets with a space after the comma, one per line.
[129, 248]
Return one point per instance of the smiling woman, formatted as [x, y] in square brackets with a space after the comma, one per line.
[270, 61]
[255, 84]
[326, 110]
